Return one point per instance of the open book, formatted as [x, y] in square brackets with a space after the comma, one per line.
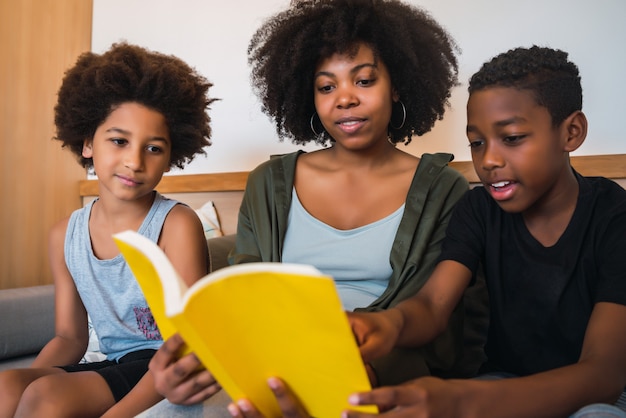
[249, 322]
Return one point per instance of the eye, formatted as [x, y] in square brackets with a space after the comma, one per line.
[513, 139]
[326, 88]
[475, 143]
[365, 82]
[153, 149]
[119, 141]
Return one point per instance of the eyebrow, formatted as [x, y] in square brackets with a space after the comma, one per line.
[352, 71]
[125, 132]
[500, 124]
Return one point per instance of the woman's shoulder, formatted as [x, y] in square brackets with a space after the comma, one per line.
[435, 166]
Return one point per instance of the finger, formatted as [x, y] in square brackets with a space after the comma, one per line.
[357, 326]
[167, 353]
[175, 374]
[369, 351]
[204, 393]
[243, 408]
[287, 401]
[193, 389]
[183, 381]
[384, 398]
[186, 366]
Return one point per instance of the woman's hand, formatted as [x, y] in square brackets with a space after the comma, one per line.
[287, 401]
[181, 380]
[376, 332]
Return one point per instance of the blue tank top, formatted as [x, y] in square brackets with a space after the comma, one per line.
[358, 259]
[118, 310]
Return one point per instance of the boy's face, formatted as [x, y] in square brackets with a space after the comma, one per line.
[131, 150]
[517, 153]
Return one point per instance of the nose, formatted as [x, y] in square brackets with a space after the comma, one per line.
[133, 158]
[346, 97]
[491, 157]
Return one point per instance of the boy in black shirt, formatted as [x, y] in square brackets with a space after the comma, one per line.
[553, 247]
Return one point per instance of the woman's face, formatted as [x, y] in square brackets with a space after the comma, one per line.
[353, 98]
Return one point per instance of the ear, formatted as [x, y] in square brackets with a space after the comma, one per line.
[87, 148]
[575, 130]
[394, 95]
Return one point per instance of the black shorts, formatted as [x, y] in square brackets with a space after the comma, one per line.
[121, 375]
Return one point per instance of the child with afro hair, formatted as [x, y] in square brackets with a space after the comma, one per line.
[130, 114]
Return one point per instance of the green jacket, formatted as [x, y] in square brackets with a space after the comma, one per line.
[434, 191]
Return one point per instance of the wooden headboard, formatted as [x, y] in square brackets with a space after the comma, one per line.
[226, 189]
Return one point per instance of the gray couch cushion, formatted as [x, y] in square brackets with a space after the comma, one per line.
[219, 247]
[26, 320]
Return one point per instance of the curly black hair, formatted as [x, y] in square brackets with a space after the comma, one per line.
[553, 80]
[419, 54]
[98, 83]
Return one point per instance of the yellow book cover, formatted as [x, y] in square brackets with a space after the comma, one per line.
[251, 321]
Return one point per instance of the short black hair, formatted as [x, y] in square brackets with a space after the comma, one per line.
[98, 83]
[419, 54]
[547, 73]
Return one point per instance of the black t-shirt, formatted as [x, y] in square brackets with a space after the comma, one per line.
[541, 298]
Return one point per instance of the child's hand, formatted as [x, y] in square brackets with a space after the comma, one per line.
[287, 401]
[376, 332]
[427, 396]
[181, 380]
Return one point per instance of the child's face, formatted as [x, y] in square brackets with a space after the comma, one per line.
[353, 98]
[131, 150]
[517, 153]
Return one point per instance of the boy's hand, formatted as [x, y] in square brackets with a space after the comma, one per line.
[423, 397]
[182, 380]
[376, 332]
[287, 401]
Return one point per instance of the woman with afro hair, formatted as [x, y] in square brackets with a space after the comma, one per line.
[131, 115]
[358, 77]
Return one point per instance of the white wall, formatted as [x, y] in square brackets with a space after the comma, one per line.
[213, 35]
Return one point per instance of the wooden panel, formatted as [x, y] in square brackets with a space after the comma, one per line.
[211, 182]
[39, 40]
[610, 166]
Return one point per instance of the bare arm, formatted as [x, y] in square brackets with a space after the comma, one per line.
[71, 331]
[415, 321]
[183, 241]
[598, 376]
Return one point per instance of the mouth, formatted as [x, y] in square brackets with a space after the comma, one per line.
[500, 185]
[127, 181]
[502, 190]
[351, 124]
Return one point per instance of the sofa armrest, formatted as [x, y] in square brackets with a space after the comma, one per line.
[26, 320]
[219, 247]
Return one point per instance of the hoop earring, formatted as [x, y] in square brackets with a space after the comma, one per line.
[313, 127]
[403, 117]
